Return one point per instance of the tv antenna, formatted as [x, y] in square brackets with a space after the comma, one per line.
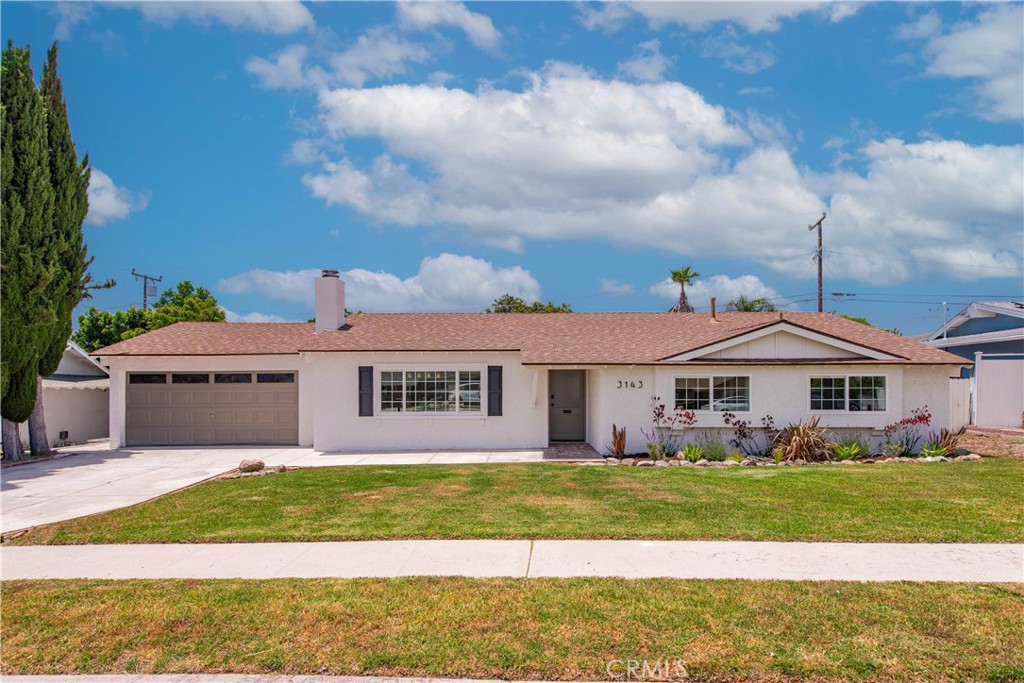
[148, 286]
[817, 255]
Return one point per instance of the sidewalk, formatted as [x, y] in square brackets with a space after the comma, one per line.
[974, 562]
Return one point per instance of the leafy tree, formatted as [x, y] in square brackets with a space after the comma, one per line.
[27, 264]
[864, 321]
[683, 277]
[758, 305]
[70, 181]
[185, 302]
[514, 304]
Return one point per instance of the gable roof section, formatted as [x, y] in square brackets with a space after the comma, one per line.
[979, 309]
[541, 338]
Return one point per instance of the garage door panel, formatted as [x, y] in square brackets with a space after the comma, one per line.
[219, 413]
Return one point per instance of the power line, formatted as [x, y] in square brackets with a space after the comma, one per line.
[930, 294]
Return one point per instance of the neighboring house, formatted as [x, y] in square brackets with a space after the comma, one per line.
[423, 381]
[76, 402]
[990, 333]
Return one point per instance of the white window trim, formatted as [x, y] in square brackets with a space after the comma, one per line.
[429, 367]
[711, 393]
[846, 410]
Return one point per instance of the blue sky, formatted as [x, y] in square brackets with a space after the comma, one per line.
[441, 154]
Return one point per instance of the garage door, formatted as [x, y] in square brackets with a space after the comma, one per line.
[185, 408]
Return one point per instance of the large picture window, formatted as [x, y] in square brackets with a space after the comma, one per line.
[430, 391]
[848, 394]
[718, 394]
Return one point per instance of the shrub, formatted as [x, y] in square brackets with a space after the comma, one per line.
[850, 449]
[934, 450]
[693, 452]
[748, 439]
[903, 437]
[618, 447]
[665, 423]
[947, 439]
[803, 441]
[736, 457]
[656, 450]
[778, 454]
[714, 448]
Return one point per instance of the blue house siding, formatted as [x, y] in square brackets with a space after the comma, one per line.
[967, 351]
[983, 325]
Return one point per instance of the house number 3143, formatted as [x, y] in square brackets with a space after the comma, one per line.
[630, 384]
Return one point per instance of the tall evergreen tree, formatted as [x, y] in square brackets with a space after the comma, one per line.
[26, 269]
[66, 243]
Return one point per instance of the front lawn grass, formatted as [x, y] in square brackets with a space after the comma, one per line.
[517, 628]
[936, 502]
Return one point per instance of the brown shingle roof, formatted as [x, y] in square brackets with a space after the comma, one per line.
[542, 338]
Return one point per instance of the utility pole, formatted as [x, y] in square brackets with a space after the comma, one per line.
[147, 289]
[818, 255]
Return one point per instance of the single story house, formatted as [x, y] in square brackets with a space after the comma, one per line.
[406, 381]
[990, 333]
[76, 403]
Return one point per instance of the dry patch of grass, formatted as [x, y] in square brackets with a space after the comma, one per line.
[517, 628]
[939, 503]
[993, 444]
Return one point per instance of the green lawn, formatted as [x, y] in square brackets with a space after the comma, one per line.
[517, 628]
[940, 502]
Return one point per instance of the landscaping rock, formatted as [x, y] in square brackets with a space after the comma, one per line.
[645, 463]
[941, 458]
[970, 457]
[701, 463]
[749, 463]
[716, 463]
[798, 461]
[675, 463]
[612, 461]
[661, 463]
[628, 461]
[847, 462]
[248, 465]
[731, 463]
[685, 463]
[281, 469]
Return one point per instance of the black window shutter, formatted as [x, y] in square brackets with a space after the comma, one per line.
[366, 391]
[494, 390]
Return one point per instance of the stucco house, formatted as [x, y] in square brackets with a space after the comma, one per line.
[75, 400]
[490, 381]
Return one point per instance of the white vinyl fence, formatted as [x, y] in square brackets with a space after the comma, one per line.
[959, 403]
[999, 390]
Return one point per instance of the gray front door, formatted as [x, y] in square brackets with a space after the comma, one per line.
[567, 391]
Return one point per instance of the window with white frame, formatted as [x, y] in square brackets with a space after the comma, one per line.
[430, 391]
[716, 393]
[850, 393]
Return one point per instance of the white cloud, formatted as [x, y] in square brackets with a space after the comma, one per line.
[69, 15]
[988, 50]
[108, 202]
[253, 317]
[722, 287]
[287, 69]
[737, 56]
[746, 92]
[647, 64]
[274, 16]
[755, 17]
[424, 15]
[613, 286]
[378, 53]
[443, 283]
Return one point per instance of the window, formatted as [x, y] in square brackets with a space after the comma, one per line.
[828, 393]
[232, 378]
[190, 378]
[275, 377]
[430, 391]
[148, 379]
[851, 393]
[718, 394]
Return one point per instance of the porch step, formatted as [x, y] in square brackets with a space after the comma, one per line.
[571, 450]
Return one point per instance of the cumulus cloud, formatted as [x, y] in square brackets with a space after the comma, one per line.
[424, 15]
[723, 287]
[108, 202]
[612, 286]
[988, 50]
[447, 282]
[253, 317]
[648, 64]
[737, 56]
[754, 17]
[277, 16]
[286, 69]
[68, 16]
[378, 53]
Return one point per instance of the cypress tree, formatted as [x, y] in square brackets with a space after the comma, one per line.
[26, 267]
[66, 248]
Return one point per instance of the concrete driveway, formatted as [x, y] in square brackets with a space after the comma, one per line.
[97, 479]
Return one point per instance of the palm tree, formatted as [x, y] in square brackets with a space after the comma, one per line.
[683, 276]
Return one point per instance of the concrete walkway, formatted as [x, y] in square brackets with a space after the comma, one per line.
[99, 479]
[628, 559]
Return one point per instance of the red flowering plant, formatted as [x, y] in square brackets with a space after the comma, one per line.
[669, 426]
[903, 437]
[747, 438]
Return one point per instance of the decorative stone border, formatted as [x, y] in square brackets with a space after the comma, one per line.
[764, 462]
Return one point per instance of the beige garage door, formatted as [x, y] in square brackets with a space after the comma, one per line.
[186, 408]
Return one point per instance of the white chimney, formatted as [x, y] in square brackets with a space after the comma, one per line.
[330, 301]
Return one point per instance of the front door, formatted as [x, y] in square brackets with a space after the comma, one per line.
[567, 390]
